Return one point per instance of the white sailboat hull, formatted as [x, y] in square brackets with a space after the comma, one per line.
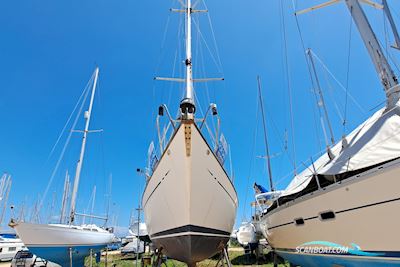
[189, 202]
[53, 242]
[367, 217]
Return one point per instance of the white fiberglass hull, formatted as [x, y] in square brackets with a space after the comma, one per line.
[189, 202]
[366, 221]
[56, 242]
[246, 235]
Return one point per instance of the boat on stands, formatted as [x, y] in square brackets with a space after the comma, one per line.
[67, 243]
[342, 209]
[189, 200]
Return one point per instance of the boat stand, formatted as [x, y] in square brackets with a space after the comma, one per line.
[106, 259]
[45, 262]
[70, 257]
[91, 258]
[224, 259]
[159, 258]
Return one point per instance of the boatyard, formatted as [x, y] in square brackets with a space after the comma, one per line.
[236, 255]
[200, 133]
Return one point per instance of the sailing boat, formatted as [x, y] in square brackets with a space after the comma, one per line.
[250, 233]
[67, 243]
[10, 244]
[189, 200]
[343, 209]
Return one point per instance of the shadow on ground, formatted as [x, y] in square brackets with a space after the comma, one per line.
[251, 259]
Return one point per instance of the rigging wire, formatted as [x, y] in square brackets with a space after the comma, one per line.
[213, 36]
[288, 86]
[391, 58]
[158, 64]
[221, 69]
[207, 46]
[252, 156]
[344, 122]
[294, 7]
[385, 30]
[331, 96]
[337, 81]
[67, 123]
[101, 133]
[202, 70]
[177, 56]
[64, 147]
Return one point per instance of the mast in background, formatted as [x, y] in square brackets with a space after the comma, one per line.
[65, 197]
[80, 161]
[268, 158]
[385, 72]
[382, 66]
[392, 24]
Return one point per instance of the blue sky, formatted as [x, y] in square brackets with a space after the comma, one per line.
[49, 49]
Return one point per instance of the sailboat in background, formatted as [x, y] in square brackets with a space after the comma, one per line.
[10, 244]
[189, 200]
[65, 243]
[343, 209]
[250, 233]
[5, 188]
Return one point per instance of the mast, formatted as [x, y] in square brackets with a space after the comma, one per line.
[65, 197]
[392, 24]
[268, 158]
[6, 191]
[80, 161]
[321, 97]
[382, 67]
[187, 104]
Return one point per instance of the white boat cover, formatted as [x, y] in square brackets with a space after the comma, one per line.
[375, 141]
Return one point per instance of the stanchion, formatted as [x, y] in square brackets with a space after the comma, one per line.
[106, 262]
[70, 257]
[91, 257]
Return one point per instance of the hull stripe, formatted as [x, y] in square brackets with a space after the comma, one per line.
[384, 254]
[190, 234]
[152, 192]
[341, 211]
[370, 205]
[191, 228]
[280, 225]
[226, 191]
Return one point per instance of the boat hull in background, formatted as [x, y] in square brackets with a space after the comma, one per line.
[55, 242]
[189, 202]
[366, 221]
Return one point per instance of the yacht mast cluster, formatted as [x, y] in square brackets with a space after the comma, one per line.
[385, 72]
[323, 205]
